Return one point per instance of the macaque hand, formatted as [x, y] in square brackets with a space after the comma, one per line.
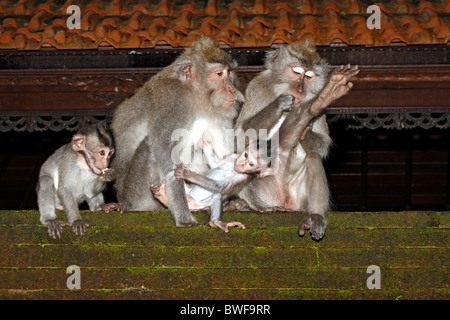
[156, 191]
[79, 227]
[181, 172]
[225, 225]
[55, 228]
[107, 207]
[286, 102]
[316, 224]
[108, 175]
[337, 87]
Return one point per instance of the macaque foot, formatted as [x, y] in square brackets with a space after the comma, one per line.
[55, 228]
[189, 223]
[160, 192]
[107, 207]
[225, 225]
[79, 227]
[316, 224]
[337, 87]
[237, 205]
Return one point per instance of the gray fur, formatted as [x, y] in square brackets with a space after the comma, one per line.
[143, 125]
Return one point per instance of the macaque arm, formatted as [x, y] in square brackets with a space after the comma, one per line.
[46, 202]
[269, 116]
[46, 199]
[70, 204]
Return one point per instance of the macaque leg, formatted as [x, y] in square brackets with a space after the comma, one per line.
[337, 87]
[177, 203]
[318, 201]
[216, 210]
[160, 192]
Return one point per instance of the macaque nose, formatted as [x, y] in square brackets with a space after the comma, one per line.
[230, 89]
[299, 85]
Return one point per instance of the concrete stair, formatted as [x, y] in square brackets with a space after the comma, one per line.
[142, 255]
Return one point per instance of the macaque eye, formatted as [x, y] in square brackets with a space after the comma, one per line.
[102, 153]
[309, 74]
[246, 155]
[222, 72]
[251, 164]
[298, 70]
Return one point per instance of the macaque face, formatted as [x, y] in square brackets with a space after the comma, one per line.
[96, 155]
[300, 77]
[250, 162]
[221, 82]
[101, 156]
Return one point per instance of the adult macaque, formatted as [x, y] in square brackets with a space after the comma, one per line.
[228, 176]
[300, 183]
[76, 172]
[198, 93]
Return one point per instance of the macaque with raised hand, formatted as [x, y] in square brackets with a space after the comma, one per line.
[76, 172]
[300, 182]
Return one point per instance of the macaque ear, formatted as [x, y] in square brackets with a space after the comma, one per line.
[271, 57]
[78, 142]
[184, 71]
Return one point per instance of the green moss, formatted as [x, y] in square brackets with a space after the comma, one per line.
[143, 255]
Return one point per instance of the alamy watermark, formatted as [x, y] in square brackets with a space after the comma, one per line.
[373, 22]
[373, 281]
[74, 280]
[74, 21]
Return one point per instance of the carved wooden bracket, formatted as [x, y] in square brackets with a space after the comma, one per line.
[399, 121]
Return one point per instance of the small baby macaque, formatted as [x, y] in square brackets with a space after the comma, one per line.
[76, 172]
[227, 179]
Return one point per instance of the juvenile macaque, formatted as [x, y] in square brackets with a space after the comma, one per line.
[199, 87]
[76, 172]
[300, 183]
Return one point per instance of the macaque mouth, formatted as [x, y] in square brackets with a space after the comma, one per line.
[238, 170]
[97, 171]
[229, 102]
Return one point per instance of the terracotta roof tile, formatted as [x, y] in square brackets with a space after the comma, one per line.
[31, 25]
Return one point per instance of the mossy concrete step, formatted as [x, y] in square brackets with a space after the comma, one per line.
[143, 255]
